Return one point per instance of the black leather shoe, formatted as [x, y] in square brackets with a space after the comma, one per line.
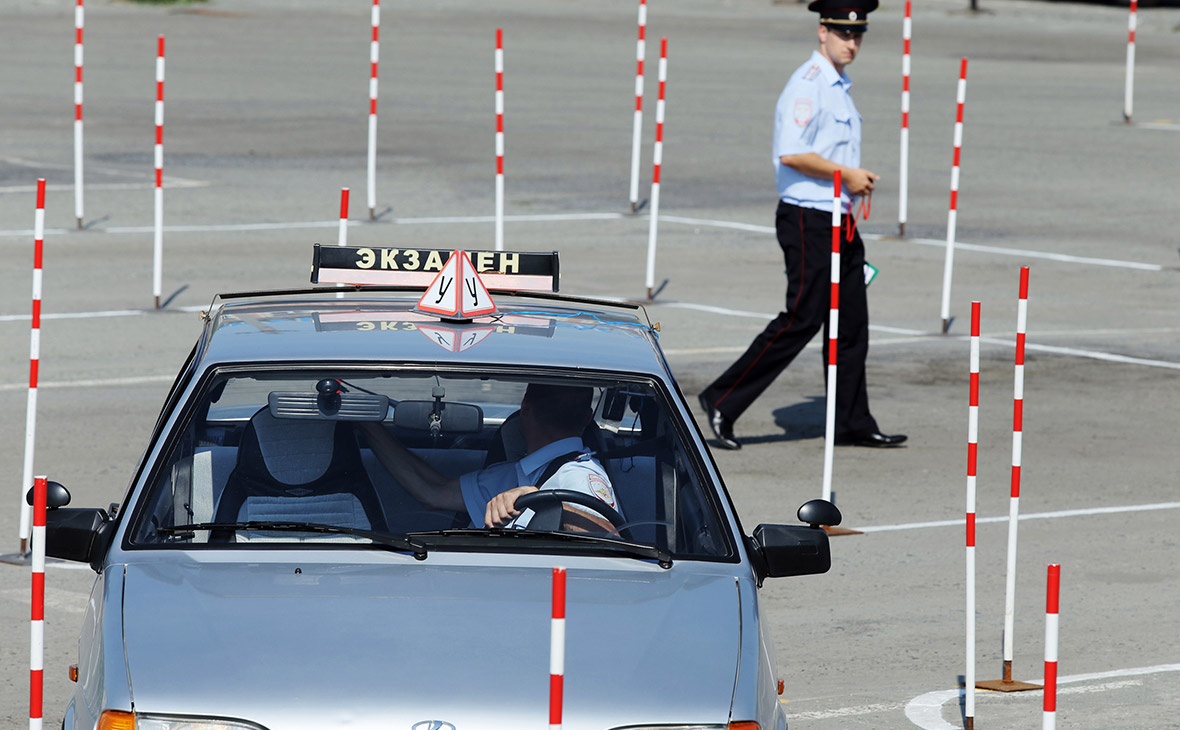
[722, 427]
[875, 439]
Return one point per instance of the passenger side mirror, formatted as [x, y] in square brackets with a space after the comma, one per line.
[784, 550]
[56, 495]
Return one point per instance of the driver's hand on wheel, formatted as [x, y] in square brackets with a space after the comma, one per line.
[501, 509]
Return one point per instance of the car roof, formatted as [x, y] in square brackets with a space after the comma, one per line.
[366, 326]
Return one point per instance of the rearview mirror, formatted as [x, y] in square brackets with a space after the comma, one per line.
[419, 415]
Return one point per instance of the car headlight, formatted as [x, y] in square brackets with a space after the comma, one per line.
[115, 720]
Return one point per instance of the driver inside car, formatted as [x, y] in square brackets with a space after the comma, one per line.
[552, 419]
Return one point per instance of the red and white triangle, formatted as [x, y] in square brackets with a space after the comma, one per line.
[457, 292]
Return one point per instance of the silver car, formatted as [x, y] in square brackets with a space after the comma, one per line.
[266, 570]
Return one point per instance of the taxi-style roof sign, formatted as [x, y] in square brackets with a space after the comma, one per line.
[418, 267]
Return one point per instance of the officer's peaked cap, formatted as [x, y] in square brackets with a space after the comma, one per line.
[852, 15]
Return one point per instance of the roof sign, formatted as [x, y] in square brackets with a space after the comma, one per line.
[457, 292]
[418, 267]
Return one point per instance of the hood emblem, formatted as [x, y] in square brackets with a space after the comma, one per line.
[432, 725]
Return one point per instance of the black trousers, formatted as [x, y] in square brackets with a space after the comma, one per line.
[805, 236]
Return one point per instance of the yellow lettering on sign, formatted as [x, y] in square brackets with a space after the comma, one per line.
[388, 326]
[368, 257]
[410, 326]
[485, 261]
[434, 262]
[414, 259]
[389, 258]
[364, 326]
[510, 261]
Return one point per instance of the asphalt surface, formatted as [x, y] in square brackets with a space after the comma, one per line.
[266, 120]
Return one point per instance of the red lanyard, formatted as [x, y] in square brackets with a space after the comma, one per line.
[866, 205]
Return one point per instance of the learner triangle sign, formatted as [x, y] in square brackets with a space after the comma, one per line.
[457, 292]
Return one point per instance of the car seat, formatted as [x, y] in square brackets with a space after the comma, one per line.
[300, 470]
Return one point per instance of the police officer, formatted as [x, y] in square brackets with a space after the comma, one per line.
[816, 132]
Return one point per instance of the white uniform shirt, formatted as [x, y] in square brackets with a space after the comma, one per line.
[585, 475]
[815, 113]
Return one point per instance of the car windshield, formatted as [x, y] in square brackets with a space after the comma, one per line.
[377, 454]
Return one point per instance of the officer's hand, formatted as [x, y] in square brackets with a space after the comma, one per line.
[860, 182]
[501, 509]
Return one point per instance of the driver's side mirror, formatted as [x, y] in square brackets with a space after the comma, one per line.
[82, 534]
[784, 550]
[56, 495]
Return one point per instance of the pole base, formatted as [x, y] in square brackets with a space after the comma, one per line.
[79, 224]
[969, 723]
[1005, 685]
[372, 214]
[946, 326]
[21, 558]
[834, 531]
[901, 230]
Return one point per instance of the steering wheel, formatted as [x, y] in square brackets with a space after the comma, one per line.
[547, 505]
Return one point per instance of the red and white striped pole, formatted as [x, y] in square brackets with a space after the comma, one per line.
[371, 177]
[499, 139]
[37, 629]
[342, 236]
[79, 18]
[657, 161]
[904, 177]
[833, 336]
[1052, 601]
[557, 650]
[1129, 88]
[1017, 448]
[972, 450]
[637, 127]
[952, 215]
[34, 366]
[158, 263]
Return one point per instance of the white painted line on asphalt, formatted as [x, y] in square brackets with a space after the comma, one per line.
[1029, 516]
[1158, 125]
[1091, 354]
[98, 315]
[813, 345]
[1002, 251]
[732, 225]
[558, 217]
[925, 710]
[334, 223]
[884, 707]
[936, 337]
[1023, 253]
[94, 383]
[845, 711]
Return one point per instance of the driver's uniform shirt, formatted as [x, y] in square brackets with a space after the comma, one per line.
[584, 474]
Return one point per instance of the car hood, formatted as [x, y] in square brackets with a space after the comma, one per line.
[294, 645]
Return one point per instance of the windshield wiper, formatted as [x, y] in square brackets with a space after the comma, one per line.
[398, 542]
[635, 549]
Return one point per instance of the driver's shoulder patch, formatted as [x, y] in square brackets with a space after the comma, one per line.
[600, 488]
